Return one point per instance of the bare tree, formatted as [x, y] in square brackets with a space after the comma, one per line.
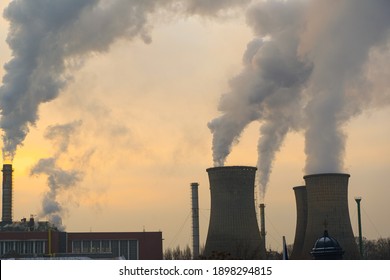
[178, 253]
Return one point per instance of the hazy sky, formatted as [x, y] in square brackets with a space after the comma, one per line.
[137, 118]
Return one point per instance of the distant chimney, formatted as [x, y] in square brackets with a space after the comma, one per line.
[195, 220]
[31, 223]
[7, 193]
[262, 227]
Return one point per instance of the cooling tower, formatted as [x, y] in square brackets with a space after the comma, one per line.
[233, 229]
[300, 229]
[7, 193]
[195, 220]
[327, 208]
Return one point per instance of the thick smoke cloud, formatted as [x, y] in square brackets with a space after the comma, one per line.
[47, 38]
[312, 66]
[58, 179]
[269, 87]
[339, 47]
[207, 7]
[308, 69]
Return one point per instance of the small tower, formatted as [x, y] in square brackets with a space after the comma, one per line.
[195, 220]
[7, 193]
[262, 229]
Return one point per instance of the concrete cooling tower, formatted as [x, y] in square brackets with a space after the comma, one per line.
[301, 204]
[327, 208]
[233, 229]
[7, 193]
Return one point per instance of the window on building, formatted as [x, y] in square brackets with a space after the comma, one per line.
[39, 247]
[76, 246]
[96, 246]
[115, 248]
[29, 247]
[86, 248]
[8, 246]
[106, 248]
[133, 250]
[124, 249]
[19, 247]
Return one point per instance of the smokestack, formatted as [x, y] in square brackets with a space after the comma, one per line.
[262, 226]
[300, 229]
[233, 230]
[7, 193]
[195, 220]
[327, 208]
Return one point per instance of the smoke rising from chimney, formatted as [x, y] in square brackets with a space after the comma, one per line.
[309, 68]
[339, 47]
[58, 179]
[49, 38]
[269, 87]
[305, 72]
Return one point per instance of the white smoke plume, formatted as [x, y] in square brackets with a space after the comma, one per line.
[207, 7]
[339, 46]
[47, 38]
[306, 70]
[58, 179]
[268, 89]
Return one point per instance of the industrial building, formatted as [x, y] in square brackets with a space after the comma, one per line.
[322, 204]
[233, 233]
[36, 239]
[233, 229]
[107, 245]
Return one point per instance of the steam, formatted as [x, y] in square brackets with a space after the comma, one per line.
[268, 89]
[309, 68]
[339, 47]
[58, 179]
[306, 70]
[207, 7]
[49, 38]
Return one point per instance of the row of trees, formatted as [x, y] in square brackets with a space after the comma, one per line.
[178, 253]
[376, 249]
[372, 250]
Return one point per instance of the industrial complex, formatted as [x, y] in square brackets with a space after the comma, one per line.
[32, 239]
[323, 226]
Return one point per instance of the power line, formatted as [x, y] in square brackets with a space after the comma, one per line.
[180, 230]
[373, 225]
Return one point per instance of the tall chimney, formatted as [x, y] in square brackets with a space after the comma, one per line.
[262, 227]
[7, 193]
[195, 220]
[233, 230]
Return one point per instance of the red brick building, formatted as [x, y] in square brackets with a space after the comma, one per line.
[127, 245]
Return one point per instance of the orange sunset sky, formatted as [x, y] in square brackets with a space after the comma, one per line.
[143, 137]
